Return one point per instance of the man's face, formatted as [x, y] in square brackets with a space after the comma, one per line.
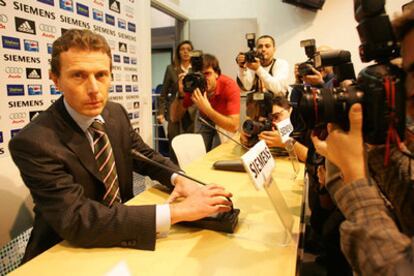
[84, 80]
[279, 114]
[211, 78]
[407, 47]
[265, 46]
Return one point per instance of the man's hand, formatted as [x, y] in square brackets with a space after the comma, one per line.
[180, 84]
[241, 60]
[345, 149]
[315, 79]
[201, 100]
[244, 137]
[197, 201]
[253, 65]
[272, 138]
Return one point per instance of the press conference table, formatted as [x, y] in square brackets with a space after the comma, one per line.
[254, 248]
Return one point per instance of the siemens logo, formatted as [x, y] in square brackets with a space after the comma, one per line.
[18, 58]
[128, 37]
[82, 10]
[32, 10]
[76, 22]
[103, 30]
[109, 19]
[15, 90]
[27, 103]
[10, 42]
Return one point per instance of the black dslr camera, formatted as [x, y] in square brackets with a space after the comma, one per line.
[379, 87]
[259, 108]
[252, 54]
[305, 68]
[195, 79]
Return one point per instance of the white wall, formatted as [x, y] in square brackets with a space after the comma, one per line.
[334, 25]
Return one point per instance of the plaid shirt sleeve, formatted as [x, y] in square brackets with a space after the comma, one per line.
[370, 239]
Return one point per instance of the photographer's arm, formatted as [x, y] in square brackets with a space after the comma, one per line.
[177, 108]
[370, 238]
[245, 76]
[278, 83]
[228, 122]
[272, 139]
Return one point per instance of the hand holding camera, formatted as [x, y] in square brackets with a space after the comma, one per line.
[251, 59]
[345, 149]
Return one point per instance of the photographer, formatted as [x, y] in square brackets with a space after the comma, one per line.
[268, 73]
[281, 110]
[219, 104]
[370, 238]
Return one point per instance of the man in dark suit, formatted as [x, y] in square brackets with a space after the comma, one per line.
[77, 196]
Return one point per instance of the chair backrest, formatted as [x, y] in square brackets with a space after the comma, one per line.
[188, 147]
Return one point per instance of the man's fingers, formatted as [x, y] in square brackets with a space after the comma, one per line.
[355, 118]
[320, 146]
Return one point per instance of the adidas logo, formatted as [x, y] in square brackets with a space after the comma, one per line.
[34, 75]
[25, 27]
[122, 48]
[115, 7]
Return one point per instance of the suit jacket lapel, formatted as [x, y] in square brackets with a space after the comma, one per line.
[73, 136]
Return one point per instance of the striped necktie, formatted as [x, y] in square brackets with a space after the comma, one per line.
[106, 162]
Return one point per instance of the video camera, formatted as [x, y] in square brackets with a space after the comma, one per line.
[379, 87]
[252, 54]
[196, 78]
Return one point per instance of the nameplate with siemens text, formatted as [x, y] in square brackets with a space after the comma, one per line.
[285, 128]
[259, 164]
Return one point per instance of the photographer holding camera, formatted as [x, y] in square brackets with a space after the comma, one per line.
[216, 95]
[281, 110]
[264, 73]
[370, 238]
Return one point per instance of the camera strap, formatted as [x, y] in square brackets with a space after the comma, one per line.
[392, 134]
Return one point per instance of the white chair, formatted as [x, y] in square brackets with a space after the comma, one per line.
[188, 147]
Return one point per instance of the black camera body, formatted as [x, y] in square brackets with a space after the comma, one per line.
[305, 68]
[252, 54]
[379, 87]
[253, 129]
[258, 108]
[196, 78]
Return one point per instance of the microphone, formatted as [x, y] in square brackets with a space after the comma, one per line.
[227, 165]
[224, 222]
[221, 132]
[137, 155]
